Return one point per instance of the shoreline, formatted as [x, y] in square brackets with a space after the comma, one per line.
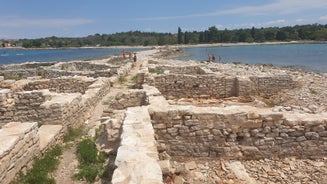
[176, 46]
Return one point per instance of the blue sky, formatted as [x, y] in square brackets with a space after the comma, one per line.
[75, 18]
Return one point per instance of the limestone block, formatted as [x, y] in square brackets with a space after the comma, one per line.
[190, 165]
[239, 170]
[252, 124]
[253, 115]
[274, 116]
[312, 135]
[48, 135]
[165, 167]
[291, 122]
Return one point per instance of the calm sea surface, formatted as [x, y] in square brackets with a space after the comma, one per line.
[11, 56]
[309, 56]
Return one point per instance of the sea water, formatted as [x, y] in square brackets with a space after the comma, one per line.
[309, 56]
[12, 56]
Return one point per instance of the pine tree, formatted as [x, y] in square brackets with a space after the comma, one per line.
[180, 36]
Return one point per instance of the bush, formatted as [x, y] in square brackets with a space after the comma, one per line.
[122, 79]
[90, 161]
[42, 167]
[73, 133]
[87, 152]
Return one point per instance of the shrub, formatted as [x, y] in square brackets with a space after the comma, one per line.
[313, 91]
[73, 133]
[42, 167]
[122, 79]
[134, 79]
[90, 161]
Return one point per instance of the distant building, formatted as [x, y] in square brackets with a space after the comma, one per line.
[8, 43]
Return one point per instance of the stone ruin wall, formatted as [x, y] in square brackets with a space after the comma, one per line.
[20, 106]
[239, 135]
[43, 107]
[190, 70]
[22, 139]
[20, 144]
[210, 85]
[61, 85]
[55, 70]
[69, 103]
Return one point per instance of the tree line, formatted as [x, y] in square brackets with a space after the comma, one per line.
[316, 32]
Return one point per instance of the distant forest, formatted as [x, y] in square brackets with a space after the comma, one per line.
[315, 32]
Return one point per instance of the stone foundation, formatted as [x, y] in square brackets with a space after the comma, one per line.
[19, 145]
[66, 108]
[54, 104]
[238, 132]
[130, 98]
[210, 85]
[61, 85]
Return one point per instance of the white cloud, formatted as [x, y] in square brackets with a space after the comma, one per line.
[17, 22]
[274, 23]
[300, 20]
[279, 7]
[323, 18]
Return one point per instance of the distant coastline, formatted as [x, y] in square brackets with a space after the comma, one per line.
[178, 45]
[251, 44]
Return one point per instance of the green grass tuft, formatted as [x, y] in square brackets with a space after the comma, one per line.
[90, 161]
[122, 79]
[42, 169]
[73, 133]
[313, 91]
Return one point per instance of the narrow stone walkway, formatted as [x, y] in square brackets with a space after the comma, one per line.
[137, 155]
[68, 164]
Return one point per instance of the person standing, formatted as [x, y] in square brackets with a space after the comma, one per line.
[213, 58]
[123, 53]
[209, 58]
[135, 57]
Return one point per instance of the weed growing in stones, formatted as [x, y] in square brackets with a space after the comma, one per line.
[122, 79]
[73, 133]
[90, 161]
[42, 169]
[313, 91]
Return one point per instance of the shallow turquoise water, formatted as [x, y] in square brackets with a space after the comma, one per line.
[309, 56]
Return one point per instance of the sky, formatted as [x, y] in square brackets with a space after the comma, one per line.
[78, 18]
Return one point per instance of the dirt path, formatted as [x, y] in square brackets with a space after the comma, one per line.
[68, 164]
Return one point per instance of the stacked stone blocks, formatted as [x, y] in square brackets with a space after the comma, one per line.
[244, 133]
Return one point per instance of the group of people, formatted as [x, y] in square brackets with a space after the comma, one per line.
[129, 55]
[212, 58]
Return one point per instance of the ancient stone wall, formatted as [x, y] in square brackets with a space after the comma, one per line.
[268, 86]
[21, 142]
[68, 109]
[239, 132]
[61, 85]
[56, 70]
[20, 106]
[131, 98]
[191, 70]
[181, 86]
[137, 156]
[19, 145]
[99, 73]
[21, 73]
